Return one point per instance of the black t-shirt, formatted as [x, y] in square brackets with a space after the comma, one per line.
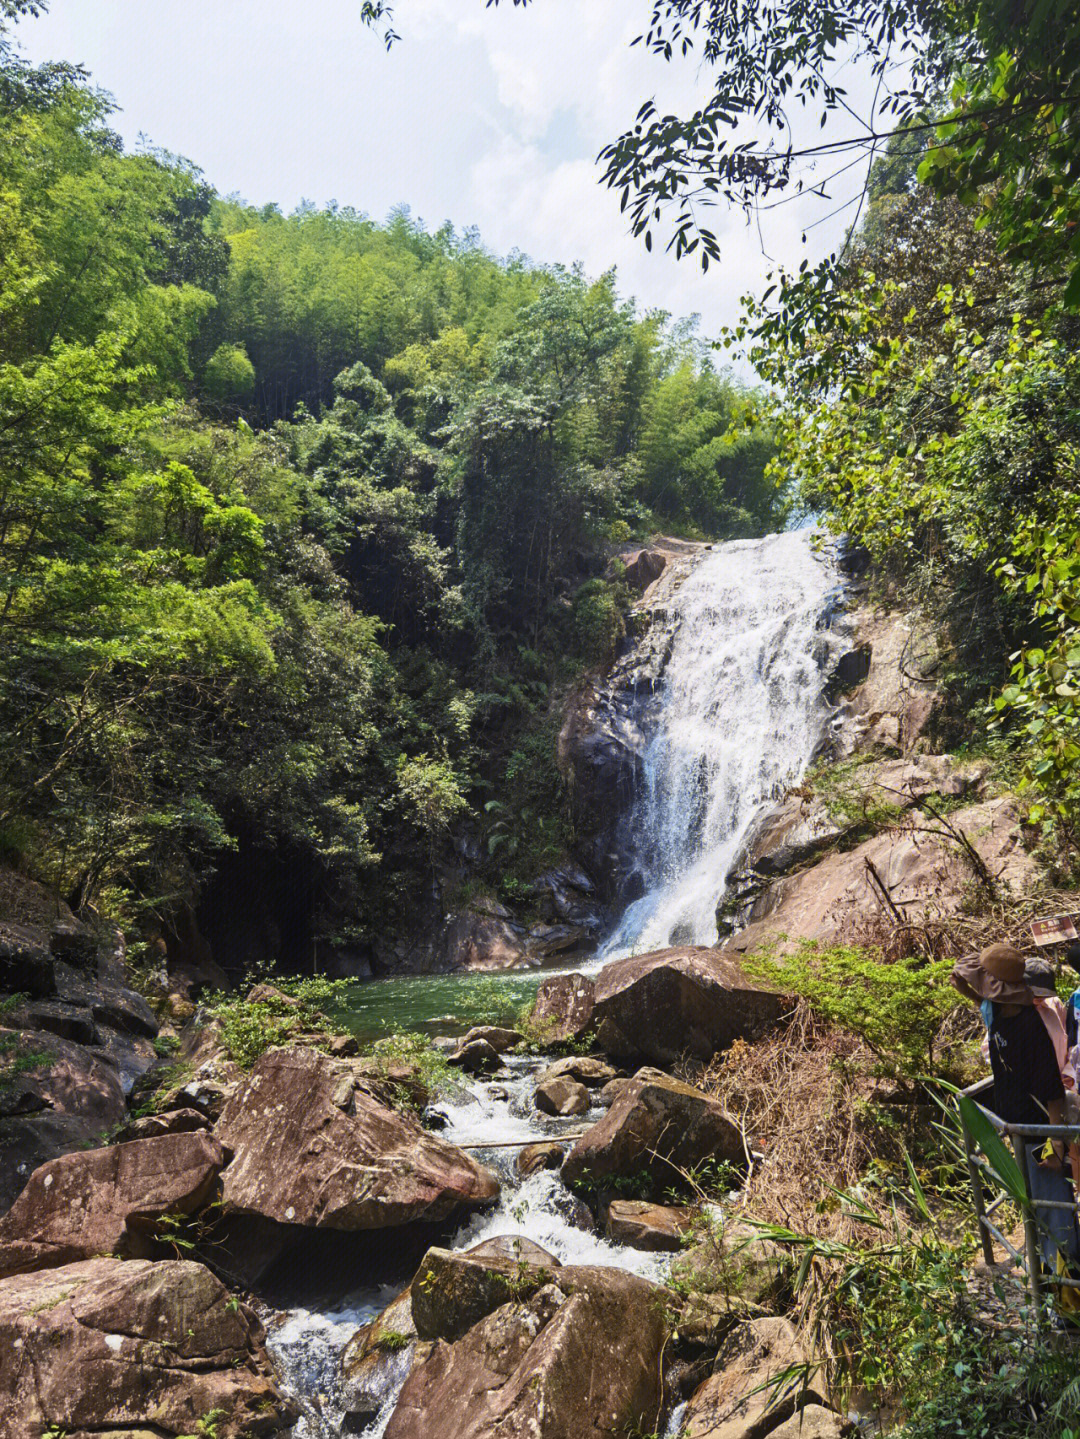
[1026, 1074]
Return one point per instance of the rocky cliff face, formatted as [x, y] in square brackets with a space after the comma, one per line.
[884, 832]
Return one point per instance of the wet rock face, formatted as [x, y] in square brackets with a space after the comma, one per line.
[105, 1201]
[656, 1124]
[122, 1343]
[676, 1001]
[533, 1157]
[313, 1149]
[578, 1359]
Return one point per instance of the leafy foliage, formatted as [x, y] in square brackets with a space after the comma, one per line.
[895, 1008]
[301, 523]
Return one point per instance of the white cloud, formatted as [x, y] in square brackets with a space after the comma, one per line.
[486, 116]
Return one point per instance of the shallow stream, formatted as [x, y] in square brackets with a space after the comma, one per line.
[492, 1117]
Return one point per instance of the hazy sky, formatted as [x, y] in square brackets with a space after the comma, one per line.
[484, 117]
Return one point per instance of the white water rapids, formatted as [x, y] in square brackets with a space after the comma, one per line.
[741, 712]
[736, 716]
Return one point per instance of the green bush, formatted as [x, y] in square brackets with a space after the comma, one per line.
[896, 1008]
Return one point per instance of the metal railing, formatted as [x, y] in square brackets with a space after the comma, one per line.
[1019, 1136]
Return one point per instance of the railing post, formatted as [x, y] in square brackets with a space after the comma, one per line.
[977, 1194]
[1031, 1230]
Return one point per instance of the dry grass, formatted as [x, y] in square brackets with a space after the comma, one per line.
[801, 1098]
[984, 920]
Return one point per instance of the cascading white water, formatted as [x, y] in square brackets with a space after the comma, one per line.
[307, 1347]
[741, 712]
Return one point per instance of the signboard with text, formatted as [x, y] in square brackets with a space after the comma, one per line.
[1060, 929]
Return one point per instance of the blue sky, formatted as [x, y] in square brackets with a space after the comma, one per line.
[484, 117]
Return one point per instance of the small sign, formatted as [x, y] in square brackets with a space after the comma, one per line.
[1059, 930]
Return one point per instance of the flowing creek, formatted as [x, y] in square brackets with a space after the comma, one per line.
[736, 715]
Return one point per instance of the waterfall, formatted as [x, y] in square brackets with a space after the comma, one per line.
[738, 713]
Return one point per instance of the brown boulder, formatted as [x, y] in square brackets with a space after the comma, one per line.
[451, 1292]
[538, 1156]
[174, 1121]
[563, 1008]
[642, 567]
[475, 1057]
[656, 1124]
[104, 1201]
[648, 1226]
[112, 1343]
[676, 1001]
[313, 1149]
[585, 1068]
[579, 1359]
[732, 1258]
[65, 1099]
[811, 1422]
[749, 1394]
[610, 1092]
[561, 1096]
[499, 1039]
[378, 1357]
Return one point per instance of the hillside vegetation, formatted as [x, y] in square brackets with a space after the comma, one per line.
[303, 523]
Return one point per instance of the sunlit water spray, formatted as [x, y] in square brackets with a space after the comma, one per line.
[741, 712]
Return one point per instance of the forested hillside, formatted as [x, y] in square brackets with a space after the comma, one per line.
[304, 523]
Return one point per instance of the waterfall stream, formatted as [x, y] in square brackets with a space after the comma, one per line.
[740, 712]
[736, 713]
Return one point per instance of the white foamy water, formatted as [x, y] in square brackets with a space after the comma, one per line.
[741, 711]
[499, 1114]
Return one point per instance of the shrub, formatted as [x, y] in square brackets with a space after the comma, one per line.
[896, 1008]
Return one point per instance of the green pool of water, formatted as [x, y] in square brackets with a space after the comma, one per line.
[436, 1004]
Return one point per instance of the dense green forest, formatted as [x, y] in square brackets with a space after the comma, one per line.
[304, 522]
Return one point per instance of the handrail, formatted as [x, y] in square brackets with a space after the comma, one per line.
[1020, 1136]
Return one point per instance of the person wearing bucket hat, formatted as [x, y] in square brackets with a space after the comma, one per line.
[1028, 1086]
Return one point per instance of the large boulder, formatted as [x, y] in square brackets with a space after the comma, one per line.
[105, 1201]
[659, 1125]
[500, 1039]
[754, 1386]
[563, 1008]
[312, 1148]
[732, 1258]
[641, 567]
[533, 1157]
[926, 874]
[451, 1291]
[672, 1002]
[561, 1095]
[61, 1097]
[378, 1357]
[475, 1056]
[578, 1359]
[111, 1344]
